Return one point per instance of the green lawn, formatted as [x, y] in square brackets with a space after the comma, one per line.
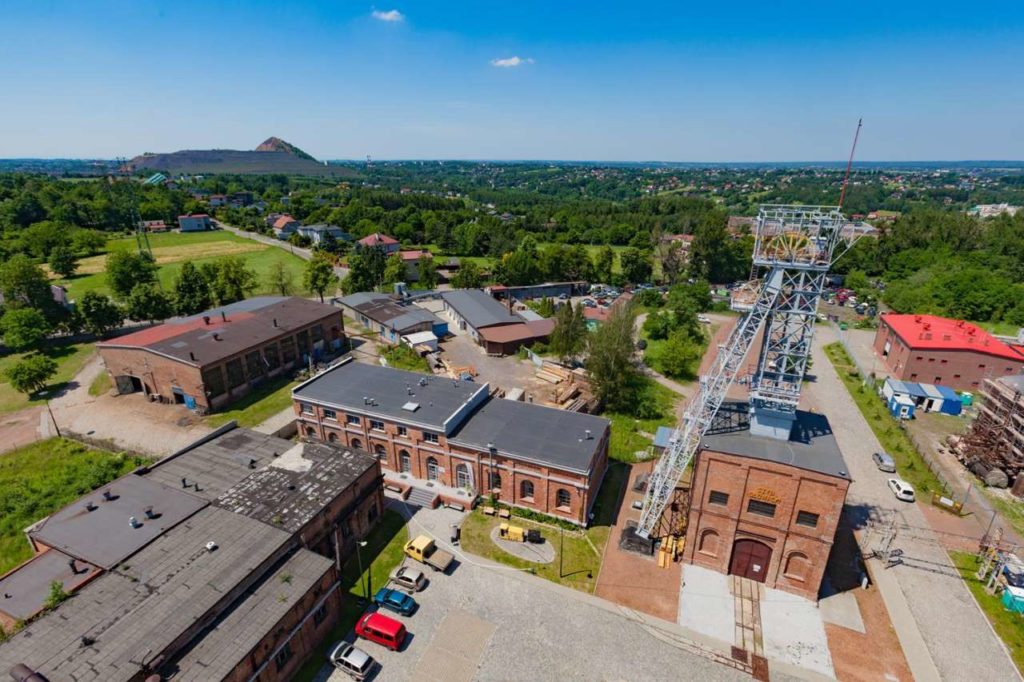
[380, 556]
[38, 479]
[909, 463]
[173, 249]
[70, 357]
[628, 432]
[578, 553]
[1001, 328]
[403, 357]
[1007, 624]
[258, 405]
[101, 384]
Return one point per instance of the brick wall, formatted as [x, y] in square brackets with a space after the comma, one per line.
[798, 553]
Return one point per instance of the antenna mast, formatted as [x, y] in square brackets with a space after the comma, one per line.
[849, 164]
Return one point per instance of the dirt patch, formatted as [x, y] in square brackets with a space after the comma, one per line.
[19, 428]
[177, 254]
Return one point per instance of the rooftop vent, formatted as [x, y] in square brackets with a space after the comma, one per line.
[191, 356]
[150, 514]
[422, 382]
[184, 482]
[216, 336]
[211, 546]
[589, 437]
[134, 522]
[73, 565]
[275, 321]
[252, 463]
[411, 406]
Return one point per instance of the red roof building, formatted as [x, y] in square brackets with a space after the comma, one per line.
[388, 245]
[938, 350]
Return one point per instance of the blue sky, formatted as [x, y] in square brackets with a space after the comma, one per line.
[684, 81]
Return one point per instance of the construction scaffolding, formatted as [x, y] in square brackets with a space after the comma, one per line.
[996, 439]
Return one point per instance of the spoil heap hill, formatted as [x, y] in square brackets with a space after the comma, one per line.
[272, 156]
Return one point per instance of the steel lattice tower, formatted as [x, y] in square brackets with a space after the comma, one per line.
[794, 246]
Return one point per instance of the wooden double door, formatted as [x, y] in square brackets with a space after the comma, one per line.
[750, 559]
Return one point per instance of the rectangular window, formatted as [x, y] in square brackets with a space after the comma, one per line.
[307, 408]
[331, 414]
[718, 497]
[376, 425]
[213, 379]
[302, 340]
[430, 437]
[288, 350]
[352, 419]
[236, 375]
[272, 357]
[761, 508]
[807, 519]
[402, 431]
[317, 332]
[254, 364]
[320, 615]
[283, 656]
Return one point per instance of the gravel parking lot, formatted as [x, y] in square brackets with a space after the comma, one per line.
[957, 635]
[519, 627]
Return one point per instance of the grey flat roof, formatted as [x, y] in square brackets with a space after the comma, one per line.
[383, 309]
[811, 445]
[104, 536]
[248, 621]
[293, 488]
[347, 384]
[362, 297]
[535, 433]
[133, 615]
[26, 588]
[218, 464]
[479, 308]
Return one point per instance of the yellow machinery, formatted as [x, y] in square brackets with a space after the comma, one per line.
[512, 533]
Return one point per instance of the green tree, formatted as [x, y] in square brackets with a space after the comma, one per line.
[394, 269]
[613, 373]
[233, 280]
[24, 328]
[717, 257]
[126, 269]
[320, 275]
[636, 265]
[427, 271]
[604, 264]
[659, 325]
[521, 266]
[673, 261]
[469, 275]
[98, 313]
[366, 270]
[24, 284]
[569, 337]
[679, 355]
[88, 242]
[147, 302]
[281, 279]
[30, 374]
[62, 261]
[191, 291]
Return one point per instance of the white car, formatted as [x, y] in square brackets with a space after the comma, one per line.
[704, 319]
[901, 489]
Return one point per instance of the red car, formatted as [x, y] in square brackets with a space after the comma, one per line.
[382, 630]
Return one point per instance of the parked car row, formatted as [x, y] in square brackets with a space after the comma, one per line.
[900, 488]
[396, 597]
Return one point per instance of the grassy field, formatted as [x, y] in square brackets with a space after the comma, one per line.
[403, 357]
[382, 553]
[70, 357]
[629, 434]
[909, 463]
[1007, 624]
[257, 406]
[38, 479]
[172, 249]
[578, 554]
[101, 384]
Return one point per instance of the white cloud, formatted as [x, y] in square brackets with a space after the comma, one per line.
[390, 15]
[511, 62]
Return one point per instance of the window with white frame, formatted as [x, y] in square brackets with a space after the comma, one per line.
[331, 414]
[430, 437]
[376, 425]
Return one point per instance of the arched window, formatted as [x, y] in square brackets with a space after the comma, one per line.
[310, 432]
[381, 453]
[563, 498]
[462, 476]
[495, 480]
[332, 437]
[356, 443]
[404, 462]
[432, 470]
[526, 490]
[796, 566]
[708, 543]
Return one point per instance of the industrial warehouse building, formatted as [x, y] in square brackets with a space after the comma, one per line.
[219, 562]
[454, 433]
[390, 317]
[764, 508]
[490, 323]
[937, 350]
[206, 361]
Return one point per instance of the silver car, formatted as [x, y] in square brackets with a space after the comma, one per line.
[351, 660]
[408, 578]
[884, 462]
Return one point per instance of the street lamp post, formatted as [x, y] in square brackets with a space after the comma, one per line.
[359, 558]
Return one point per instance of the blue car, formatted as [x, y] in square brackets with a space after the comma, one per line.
[396, 601]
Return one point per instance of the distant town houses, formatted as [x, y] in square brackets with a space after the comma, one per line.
[154, 226]
[320, 231]
[383, 242]
[195, 223]
[284, 226]
[993, 210]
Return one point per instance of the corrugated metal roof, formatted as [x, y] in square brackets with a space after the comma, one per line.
[479, 308]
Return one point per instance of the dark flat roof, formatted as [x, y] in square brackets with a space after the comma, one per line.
[134, 614]
[811, 445]
[293, 488]
[218, 464]
[26, 588]
[104, 536]
[383, 309]
[544, 435]
[438, 399]
[479, 308]
[248, 324]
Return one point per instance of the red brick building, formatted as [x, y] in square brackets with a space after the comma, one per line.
[937, 350]
[452, 432]
[763, 508]
[206, 361]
